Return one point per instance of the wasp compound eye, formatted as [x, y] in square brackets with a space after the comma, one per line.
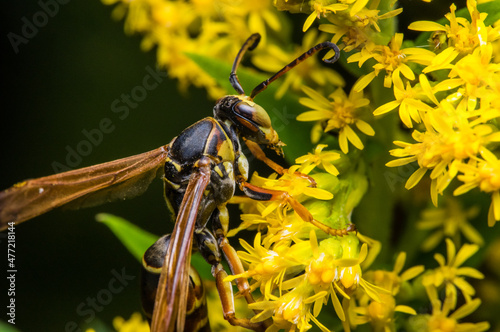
[256, 114]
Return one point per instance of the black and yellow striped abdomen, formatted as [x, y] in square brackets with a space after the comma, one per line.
[152, 263]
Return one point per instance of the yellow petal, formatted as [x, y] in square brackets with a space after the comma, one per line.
[363, 81]
[424, 83]
[343, 142]
[407, 72]
[365, 128]
[312, 116]
[310, 19]
[401, 161]
[466, 309]
[386, 107]
[330, 169]
[318, 193]
[415, 178]
[426, 26]
[353, 137]
[405, 309]
[358, 5]
[315, 95]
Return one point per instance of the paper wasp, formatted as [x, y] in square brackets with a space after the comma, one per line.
[201, 169]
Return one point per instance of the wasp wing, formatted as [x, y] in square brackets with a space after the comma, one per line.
[171, 296]
[122, 178]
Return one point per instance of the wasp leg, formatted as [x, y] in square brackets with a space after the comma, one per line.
[226, 295]
[220, 220]
[261, 194]
[259, 154]
[209, 248]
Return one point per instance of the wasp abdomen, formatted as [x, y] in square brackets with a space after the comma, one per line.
[152, 263]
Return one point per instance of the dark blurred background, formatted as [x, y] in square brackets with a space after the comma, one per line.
[60, 82]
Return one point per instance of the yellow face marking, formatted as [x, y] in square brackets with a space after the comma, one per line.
[246, 99]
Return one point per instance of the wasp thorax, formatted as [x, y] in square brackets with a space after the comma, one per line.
[250, 119]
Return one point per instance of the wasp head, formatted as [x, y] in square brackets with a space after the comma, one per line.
[250, 119]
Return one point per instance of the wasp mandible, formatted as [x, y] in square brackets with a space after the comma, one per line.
[201, 169]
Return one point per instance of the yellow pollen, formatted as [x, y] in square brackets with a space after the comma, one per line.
[327, 276]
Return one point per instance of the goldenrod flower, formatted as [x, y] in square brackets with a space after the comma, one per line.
[258, 14]
[297, 279]
[408, 99]
[392, 59]
[484, 174]
[322, 7]
[450, 275]
[392, 280]
[134, 324]
[294, 184]
[447, 143]
[213, 28]
[319, 158]
[266, 266]
[442, 320]
[356, 26]
[449, 221]
[463, 37]
[381, 314]
[339, 114]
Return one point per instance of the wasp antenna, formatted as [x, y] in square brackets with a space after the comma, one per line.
[250, 44]
[262, 86]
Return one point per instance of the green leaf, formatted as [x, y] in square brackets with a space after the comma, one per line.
[137, 241]
[134, 238]
[296, 135]
[8, 327]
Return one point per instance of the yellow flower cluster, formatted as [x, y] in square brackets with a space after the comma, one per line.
[381, 315]
[213, 28]
[296, 267]
[449, 221]
[355, 25]
[450, 276]
[454, 99]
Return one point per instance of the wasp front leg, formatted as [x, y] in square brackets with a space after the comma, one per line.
[259, 154]
[262, 194]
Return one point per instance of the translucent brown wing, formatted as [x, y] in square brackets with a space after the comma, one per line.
[170, 302]
[118, 179]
